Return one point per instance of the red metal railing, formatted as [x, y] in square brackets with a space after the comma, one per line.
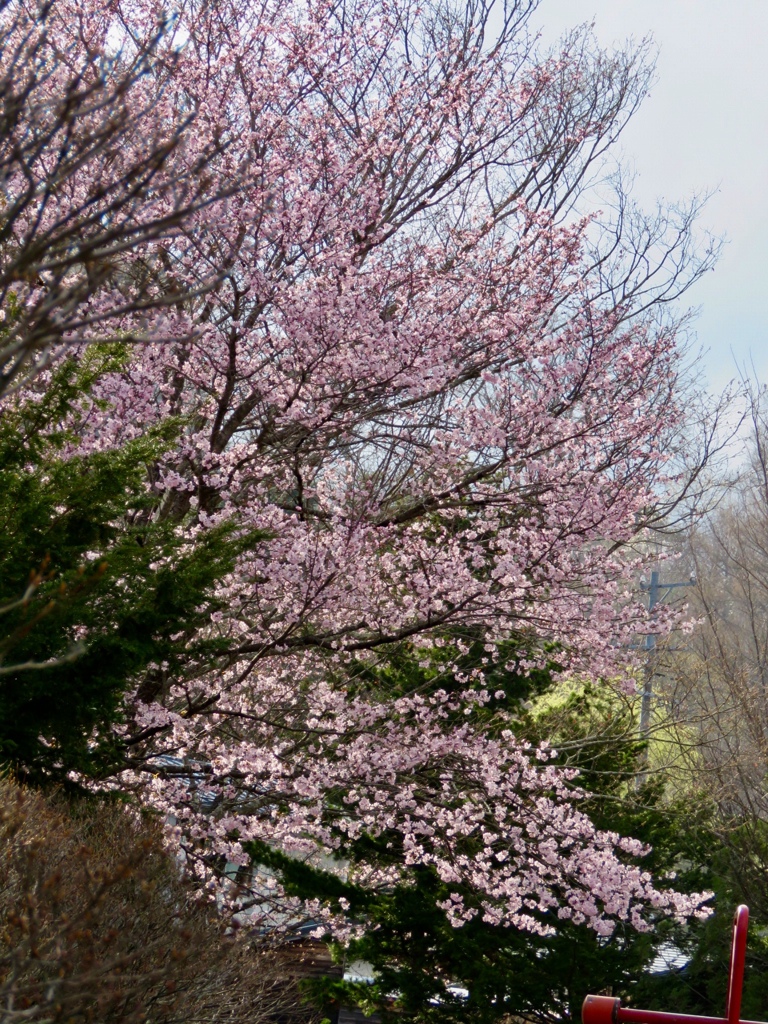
[607, 1010]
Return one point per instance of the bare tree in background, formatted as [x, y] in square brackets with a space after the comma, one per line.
[721, 677]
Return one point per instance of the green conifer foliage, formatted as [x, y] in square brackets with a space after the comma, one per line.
[99, 593]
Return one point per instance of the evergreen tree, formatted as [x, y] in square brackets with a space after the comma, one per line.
[98, 591]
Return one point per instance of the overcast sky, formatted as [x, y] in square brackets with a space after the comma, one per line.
[704, 127]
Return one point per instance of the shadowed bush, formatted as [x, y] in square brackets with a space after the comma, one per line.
[96, 924]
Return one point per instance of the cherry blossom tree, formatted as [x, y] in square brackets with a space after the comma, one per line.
[99, 171]
[438, 380]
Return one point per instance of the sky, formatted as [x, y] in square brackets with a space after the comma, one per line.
[703, 128]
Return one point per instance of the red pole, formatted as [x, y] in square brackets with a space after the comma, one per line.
[607, 1010]
[738, 955]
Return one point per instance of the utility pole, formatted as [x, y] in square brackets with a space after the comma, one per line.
[657, 591]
